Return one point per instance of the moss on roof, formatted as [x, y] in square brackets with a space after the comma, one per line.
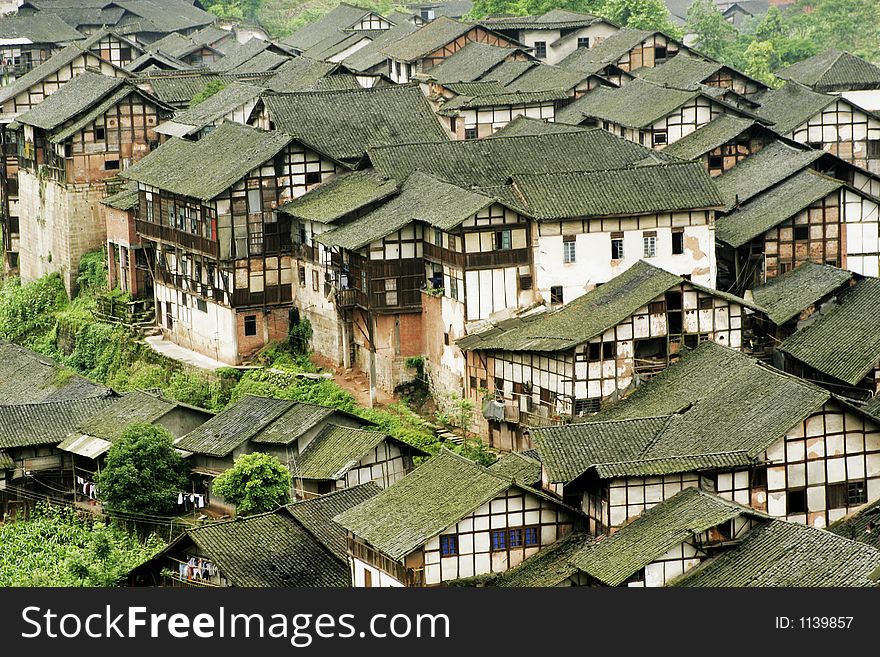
[490, 162]
[551, 566]
[543, 77]
[862, 526]
[473, 61]
[222, 158]
[785, 296]
[715, 407]
[833, 70]
[608, 51]
[178, 87]
[341, 17]
[71, 99]
[132, 407]
[422, 198]
[46, 423]
[428, 38]
[524, 126]
[773, 207]
[341, 195]
[344, 124]
[270, 550]
[501, 98]
[299, 74]
[685, 69]
[655, 532]
[710, 136]
[522, 468]
[791, 106]
[843, 342]
[636, 104]
[218, 105]
[334, 451]
[416, 508]
[783, 554]
[46, 28]
[370, 56]
[127, 199]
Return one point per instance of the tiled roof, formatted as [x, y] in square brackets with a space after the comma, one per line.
[766, 168]
[156, 61]
[792, 105]
[843, 342]
[28, 377]
[370, 56]
[709, 137]
[344, 124]
[471, 62]
[543, 77]
[490, 162]
[216, 106]
[551, 566]
[609, 51]
[296, 420]
[507, 72]
[833, 70]
[523, 126]
[247, 57]
[341, 195]
[428, 38]
[555, 18]
[222, 158]
[38, 29]
[615, 559]
[502, 98]
[178, 87]
[264, 62]
[46, 423]
[783, 554]
[270, 550]
[715, 407]
[635, 190]
[636, 104]
[519, 466]
[862, 526]
[174, 44]
[685, 69]
[299, 74]
[132, 407]
[773, 207]
[334, 451]
[317, 514]
[785, 296]
[127, 199]
[341, 17]
[432, 497]
[234, 425]
[422, 198]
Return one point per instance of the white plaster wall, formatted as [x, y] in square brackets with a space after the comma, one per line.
[380, 578]
[212, 333]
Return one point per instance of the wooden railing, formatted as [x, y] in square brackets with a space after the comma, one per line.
[177, 237]
[272, 294]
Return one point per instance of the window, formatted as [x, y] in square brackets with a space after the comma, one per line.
[499, 384]
[315, 283]
[540, 49]
[583, 42]
[797, 501]
[111, 165]
[568, 249]
[657, 308]
[368, 578]
[660, 138]
[100, 134]
[873, 149]
[515, 537]
[313, 178]
[556, 294]
[650, 242]
[502, 240]
[250, 324]
[660, 52]
[499, 540]
[449, 545]
[302, 276]
[716, 161]
[609, 350]
[594, 351]
[801, 233]
[584, 406]
[705, 303]
[438, 237]
[677, 241]
[254, 201]
[446, 339]
[125, 54]
[202, 305]
[617, 246]
[532, 536]
[525, 281]
[848, 493]
[470, 133]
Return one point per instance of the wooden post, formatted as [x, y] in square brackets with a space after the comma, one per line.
[372, 361]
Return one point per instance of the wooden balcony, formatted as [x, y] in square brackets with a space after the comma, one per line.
[180, 238]
[271, 295]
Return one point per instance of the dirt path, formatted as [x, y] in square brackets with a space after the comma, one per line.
[355, 382]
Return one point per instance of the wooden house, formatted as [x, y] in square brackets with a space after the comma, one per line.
[726, 423]
[238, 103]
[88, 442]
[254, 56]
[129, 260]
[546, 367]
[305, 74]
[191, 50]
[369, 61]
[423, 49]
[335, 26]
[177, 87]
[20, 96]
[28, 42]
[689, 69]
[323, 448]
[474, 61]
[70, 145]
[626, 49]
[840, 348]
[698, 539]
[824, 121]
[113, 47]
[650, 114]
[554, 35]
[450, 519]
[224, 256]
[297, 545]
[838, 72]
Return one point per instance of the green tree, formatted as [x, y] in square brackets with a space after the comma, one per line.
[639, 15]
[256, 483]
[759, 58]
[143, 472]
[714, 36]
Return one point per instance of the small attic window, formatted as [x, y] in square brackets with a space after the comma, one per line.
[100, 134]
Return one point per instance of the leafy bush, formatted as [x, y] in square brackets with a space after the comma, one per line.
[256, 483]
[213, 87]
[92, 272]
[26, 311]
[143, 472]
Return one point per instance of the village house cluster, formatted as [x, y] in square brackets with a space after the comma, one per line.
[655, 277]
